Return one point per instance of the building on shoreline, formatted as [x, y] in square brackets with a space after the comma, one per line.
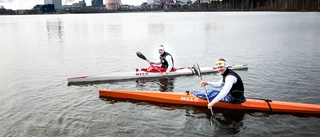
[97, 3]
[57, 4]
[113, 4]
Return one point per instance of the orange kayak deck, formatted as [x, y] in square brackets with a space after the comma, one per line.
[190, 99]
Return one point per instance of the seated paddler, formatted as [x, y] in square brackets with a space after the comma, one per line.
[231, 85]
[166, 62]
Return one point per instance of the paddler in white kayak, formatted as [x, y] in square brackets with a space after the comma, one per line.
[166, 62]
[232, 86]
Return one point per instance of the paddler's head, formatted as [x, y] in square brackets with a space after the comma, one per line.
[221, 65]
[161, 49]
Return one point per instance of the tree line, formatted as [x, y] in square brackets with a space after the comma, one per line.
[261, 5]
[217, 5]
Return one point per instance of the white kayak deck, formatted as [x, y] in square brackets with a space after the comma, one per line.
[144, 74]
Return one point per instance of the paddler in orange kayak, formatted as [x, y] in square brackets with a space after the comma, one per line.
[231, 84]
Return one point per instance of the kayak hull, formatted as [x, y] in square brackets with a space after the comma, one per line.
[190, 99]
[144, 74]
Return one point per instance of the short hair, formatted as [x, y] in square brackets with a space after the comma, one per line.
[222, 59]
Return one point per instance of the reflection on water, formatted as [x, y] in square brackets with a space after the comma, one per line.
[224, 122]
[166, 84]
[143, 84]
[228, 123]
[55, 30]
[161, 84]
[156, 29]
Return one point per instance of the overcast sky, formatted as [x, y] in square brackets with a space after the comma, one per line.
[28, 4]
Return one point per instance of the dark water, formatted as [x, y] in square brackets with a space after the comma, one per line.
[38, 54]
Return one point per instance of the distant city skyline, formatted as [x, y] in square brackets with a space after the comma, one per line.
[29, 4]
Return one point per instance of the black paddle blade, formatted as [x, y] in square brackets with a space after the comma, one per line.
[197, 69]
[140, 55]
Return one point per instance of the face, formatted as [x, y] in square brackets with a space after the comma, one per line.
[161, 51]
[221, 69]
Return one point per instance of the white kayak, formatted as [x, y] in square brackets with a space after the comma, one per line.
[144, 73]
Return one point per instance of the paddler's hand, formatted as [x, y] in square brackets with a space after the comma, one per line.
[203, 83]
[151, 63]
[164, 74]
[210, 105]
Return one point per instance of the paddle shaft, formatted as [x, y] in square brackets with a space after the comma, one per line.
[198, 72]
[154, 66]
[207, 96]
[158, 70]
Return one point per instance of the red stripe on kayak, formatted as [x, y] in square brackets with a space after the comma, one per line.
[81, 77]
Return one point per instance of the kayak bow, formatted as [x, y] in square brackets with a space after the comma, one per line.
[190, 99]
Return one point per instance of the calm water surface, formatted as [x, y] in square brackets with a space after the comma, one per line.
[38, 54]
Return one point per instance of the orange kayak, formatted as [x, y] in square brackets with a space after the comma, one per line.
[190, 99]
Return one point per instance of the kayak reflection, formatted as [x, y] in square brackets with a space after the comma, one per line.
[162, 84]
[166, 85]
[228, 123]
[225, 122]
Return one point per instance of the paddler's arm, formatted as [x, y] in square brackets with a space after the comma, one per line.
[229, 81]
[154, 63]
[212, 84]
[216, 84]
[170, 66]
